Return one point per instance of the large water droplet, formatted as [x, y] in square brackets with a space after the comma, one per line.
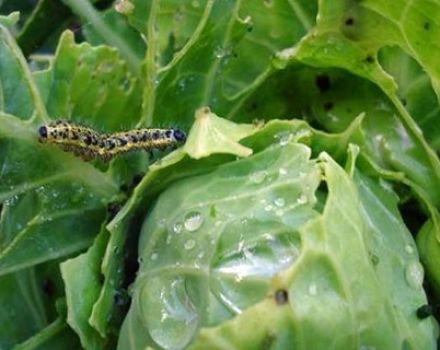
[193, 221]
[409, 249]
[313, 290]
[414, 274]
[257, 177]
[169, 312]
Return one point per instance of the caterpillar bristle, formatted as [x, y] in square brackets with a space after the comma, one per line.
[90, 144]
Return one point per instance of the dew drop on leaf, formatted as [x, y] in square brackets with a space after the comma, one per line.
[302, 199]
[154, 256]
[283, 171]
[414, 274]
[193, 221]
[409, 249]
[257, 177]
[313, 290]
[169, 311]
[190, 244]
[280, 202]
[177, 227]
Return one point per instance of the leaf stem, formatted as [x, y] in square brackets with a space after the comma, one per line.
[41, 337]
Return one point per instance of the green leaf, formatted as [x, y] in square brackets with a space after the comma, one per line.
[359, 233]
[175, 166]
[106, 31]
[211, 53]
[18, 93]
[82, 291]
[53, 203]
[90, 85]
[41, 25]
[415, 91]
[332, 44]
[55, 336]
[22, 312]
[120, 25]
[212, 134]
[208, 250]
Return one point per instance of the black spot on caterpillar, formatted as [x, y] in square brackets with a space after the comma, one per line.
[90, 144]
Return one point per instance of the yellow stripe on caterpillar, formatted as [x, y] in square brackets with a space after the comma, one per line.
[90, 144]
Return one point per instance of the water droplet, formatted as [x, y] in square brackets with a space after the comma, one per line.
[280, 202]
[414, 274]
[195, 4]
[268, 3]
[409, 249]
[190, 244]
[169, 311]
[182, 84]
[313, 290]
[177, 227]
[283, 138]
[257, 177]
[367, 347]
[193, 221]
[201, 255]
[268, 207]
[168, 241]
[282, 171]
[140, 260]
[124, 84]
[124, 6]
[219, 52]
[279, 212]
[154, 256]
[302, 199]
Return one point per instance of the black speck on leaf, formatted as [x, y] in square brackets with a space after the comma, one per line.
[322, 82]
[281, 296]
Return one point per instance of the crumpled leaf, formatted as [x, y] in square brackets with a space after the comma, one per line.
[175, 166]
[359, 232]
[184, 284]
[211, 134]
[82, 291]
[91, 86]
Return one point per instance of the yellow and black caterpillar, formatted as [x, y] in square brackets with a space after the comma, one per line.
[90, 144]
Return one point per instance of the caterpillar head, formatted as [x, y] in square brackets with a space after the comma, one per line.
[179, 135]
[42, 132]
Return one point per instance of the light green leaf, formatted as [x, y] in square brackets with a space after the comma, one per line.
[359, 260]
[53, 203]
[18, 93]
[211, 53]
[211, 134]
[106, 31]
[208, 251]
[81, 277]
[22, 312]
[90, 85]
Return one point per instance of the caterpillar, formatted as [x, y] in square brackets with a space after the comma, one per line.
[90, 144]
